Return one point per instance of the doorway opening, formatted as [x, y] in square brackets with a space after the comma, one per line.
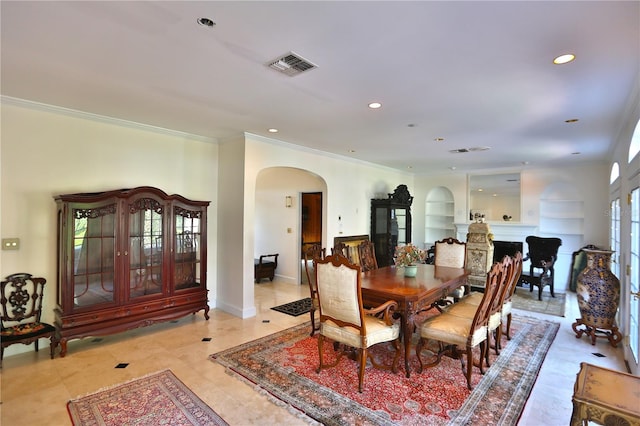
[311, 229]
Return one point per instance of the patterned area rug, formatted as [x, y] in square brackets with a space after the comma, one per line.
[156, 399]
[282, 366]
[528, 301]
[296, 308]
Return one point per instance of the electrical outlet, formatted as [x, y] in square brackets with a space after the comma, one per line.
[10, 243]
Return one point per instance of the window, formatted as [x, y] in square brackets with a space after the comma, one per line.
[615, 172]
[615, 236]
[634, 147]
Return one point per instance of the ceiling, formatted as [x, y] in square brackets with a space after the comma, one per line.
[477, 74]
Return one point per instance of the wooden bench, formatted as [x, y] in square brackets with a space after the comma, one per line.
[265, 267]
[606, 397]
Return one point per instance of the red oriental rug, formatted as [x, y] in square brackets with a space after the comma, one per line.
[156, 399]
[283, 366]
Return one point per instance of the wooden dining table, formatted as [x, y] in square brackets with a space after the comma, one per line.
[413, 294]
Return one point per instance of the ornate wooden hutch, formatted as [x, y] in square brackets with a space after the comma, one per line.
[128, 258]
[391, 223]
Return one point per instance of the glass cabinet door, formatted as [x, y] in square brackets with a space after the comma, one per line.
[187, 249]
[146, 230]
[93, 253]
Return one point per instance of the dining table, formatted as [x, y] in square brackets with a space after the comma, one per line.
[413, 294]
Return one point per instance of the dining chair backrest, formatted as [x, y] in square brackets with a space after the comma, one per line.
[494, 278]
[339, 292]
[313, 253]
[451, 253]
[515, 276]
[503, 285]
[367, 256]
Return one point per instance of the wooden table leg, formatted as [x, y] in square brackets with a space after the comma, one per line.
[407, 329]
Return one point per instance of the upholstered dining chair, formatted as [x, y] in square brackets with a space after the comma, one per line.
[451, 253]
[457, 332]
[468, 305]
[314, 253]
[21, 298]
[367, 256]
[343, 250]
[542, 255]
[345, 321]
[507, 304]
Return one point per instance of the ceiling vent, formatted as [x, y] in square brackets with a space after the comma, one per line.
[291, 64]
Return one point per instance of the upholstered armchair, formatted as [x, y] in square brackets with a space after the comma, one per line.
[345, 321]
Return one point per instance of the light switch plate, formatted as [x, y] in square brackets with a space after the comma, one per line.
[10, 243]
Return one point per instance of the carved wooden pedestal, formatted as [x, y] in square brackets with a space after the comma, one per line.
[479, 253]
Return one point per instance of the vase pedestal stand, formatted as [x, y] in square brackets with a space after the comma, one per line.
[613, 335]
[598, 292]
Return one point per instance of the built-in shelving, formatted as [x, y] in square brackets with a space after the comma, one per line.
[439, 215]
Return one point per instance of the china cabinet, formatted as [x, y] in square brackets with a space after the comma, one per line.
[391, 223]
[128, 258]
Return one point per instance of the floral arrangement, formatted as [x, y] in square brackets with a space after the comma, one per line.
[409, 255]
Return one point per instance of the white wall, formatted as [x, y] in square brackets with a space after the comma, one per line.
[590, 179]
[45, 153]
[278, 227]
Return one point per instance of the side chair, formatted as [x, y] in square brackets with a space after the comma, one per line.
[367, 256]
[542, 255]
[468, 306]
[345, 321]
[458, 333]
[21, 299]
[311, 256]
[452, 253]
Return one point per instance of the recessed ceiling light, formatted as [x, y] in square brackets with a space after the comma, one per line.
[438, 139]
[206, 22]
[571, 120]
[273, 130]
[352, 151]
[563, 59]
[375, 105]
[452, 167]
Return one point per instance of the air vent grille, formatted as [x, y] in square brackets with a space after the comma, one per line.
[291, 64]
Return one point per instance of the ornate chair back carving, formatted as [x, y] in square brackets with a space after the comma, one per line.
[367, 256]
[21, 298]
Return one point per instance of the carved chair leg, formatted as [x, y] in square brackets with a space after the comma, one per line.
[312, 312]
[363, 364]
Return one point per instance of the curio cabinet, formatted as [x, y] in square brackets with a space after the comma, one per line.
[128, 258]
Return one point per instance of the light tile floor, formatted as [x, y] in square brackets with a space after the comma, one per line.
[35, 389]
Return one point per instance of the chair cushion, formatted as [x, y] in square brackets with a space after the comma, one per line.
[452, 329]
[377, 332]
[468, 310]
[507, 306]
[472, 298]
[23, 331]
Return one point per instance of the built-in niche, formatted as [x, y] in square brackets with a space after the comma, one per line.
[439, 215]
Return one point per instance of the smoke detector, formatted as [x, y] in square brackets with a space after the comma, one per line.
[291, 64]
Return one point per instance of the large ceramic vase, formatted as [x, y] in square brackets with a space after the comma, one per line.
[598, 291]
